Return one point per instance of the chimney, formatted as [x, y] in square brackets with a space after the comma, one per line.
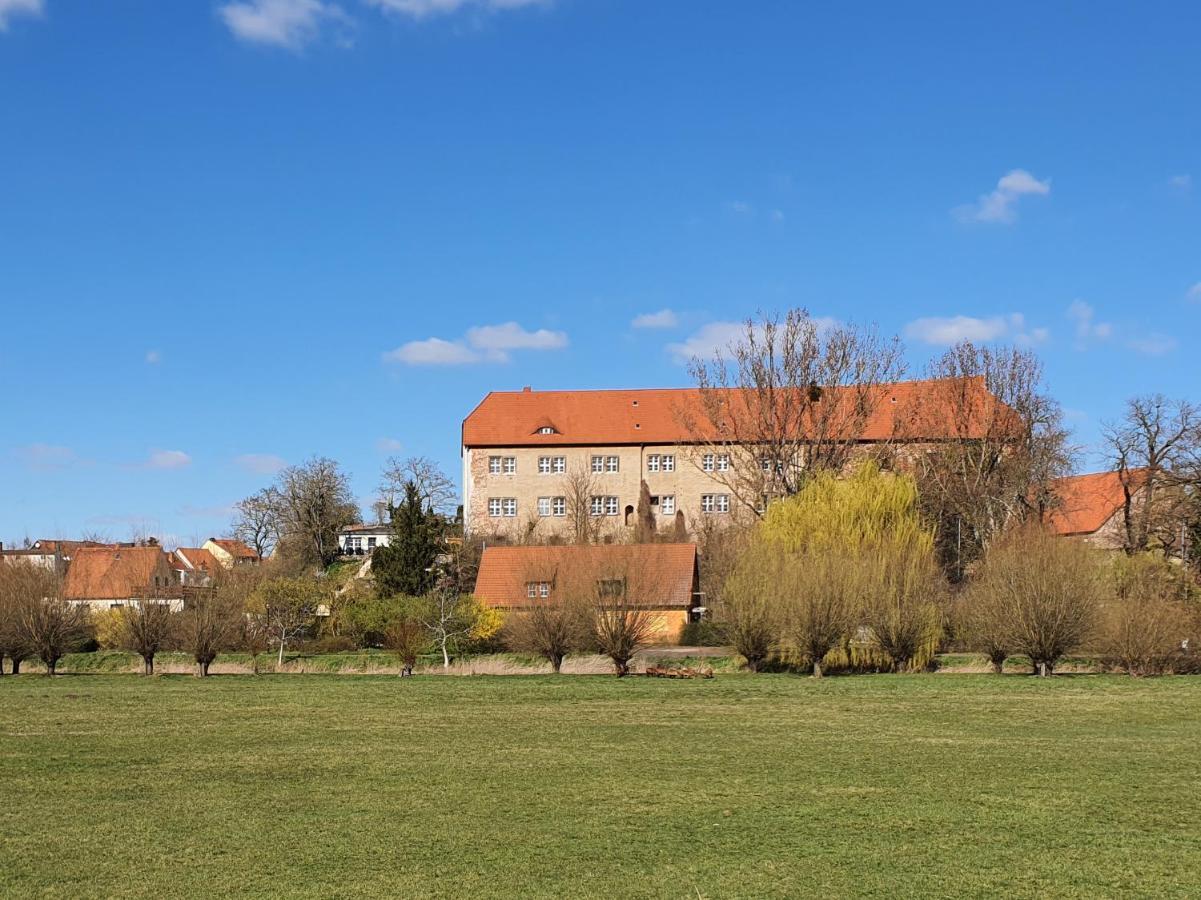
[526, 389]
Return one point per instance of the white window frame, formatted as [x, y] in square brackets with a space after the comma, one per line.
[544, 506]
[667, 504]
[715, 503]
[612, 464]
[669, 463]
[598, 464]
[510, 507]
[652, 463]
[612, 506]
[494, 465]
[723, 462]
[707, 462]
[544, 465]
[494, 507]
[510, 465]
[558, 506]
[558, 464]
[596, 505]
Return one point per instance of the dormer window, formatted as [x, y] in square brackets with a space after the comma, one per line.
[546, 429]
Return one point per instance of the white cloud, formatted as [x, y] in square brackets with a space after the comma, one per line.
[261, 463]
[47, 457]
[664, 318]
[167, 459]
[511, 336]
[281, 23]
[1087, 328]
[718, 336]
[1154, 344]
[153, 357]
[1194, 293]
[1182, 183]
[948, 330]
[740, 207]
[420, 9]
[389, 445]
[1000, 205]
[11, 8]
[483, 343]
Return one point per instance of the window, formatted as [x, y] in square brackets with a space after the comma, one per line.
[707, 462]
[537, 589]
[370, 543]
[598, 464]
[667, 505]
[723, 462]
[544, 506]
[549, 464]
[510, 465]
[652, 463]
[669, 464]
[603, 506]
[546, 429]
[611, 587]
[656, 463]
[612, 463]
[502, 506]
[493, 465]
[715, 503]
[558, 506]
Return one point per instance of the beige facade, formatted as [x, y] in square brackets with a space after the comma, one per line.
[503, 499]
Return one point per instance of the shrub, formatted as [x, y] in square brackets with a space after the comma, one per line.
[705, 633]
[1147, 617]
[1040, 593]
[900, 607]
[106, 628]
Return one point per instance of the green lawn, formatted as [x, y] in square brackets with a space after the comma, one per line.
[322, 786]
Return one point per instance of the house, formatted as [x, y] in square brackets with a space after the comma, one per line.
[112, 577]
[539, 459]
[361, 540]
[196, 566]
[230, 553]
[1091, 507]
[663, 578]
[53, 554]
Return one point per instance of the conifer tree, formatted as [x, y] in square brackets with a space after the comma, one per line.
[406, 565]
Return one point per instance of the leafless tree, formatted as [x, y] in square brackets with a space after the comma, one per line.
[315, 503]
[790, 396]
[286, 607]
[821, 593]
[1147, 614]
[1007, 445]
[750, 609]
[448, 618]
[1156, 451]
[618, 603]
[49, 626]
[145, 627]
[549, 623]
[20, 584]
[210, 623]
[579, 487]
[436, 489]
[1047, 588]
[407, 638]
[257, 522]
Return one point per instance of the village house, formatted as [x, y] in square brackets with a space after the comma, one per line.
[528, 455]
[361, 540]
[662, 578]
[112, 577]
[195, 565]
[229, 553]
[1091, 507]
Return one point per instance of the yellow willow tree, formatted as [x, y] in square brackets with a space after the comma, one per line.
[844, 554]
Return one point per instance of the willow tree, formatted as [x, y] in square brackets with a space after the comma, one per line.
[843, 553]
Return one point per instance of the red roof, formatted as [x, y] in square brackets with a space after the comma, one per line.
[910, 410]
[102, 573]
[1087, 502]
[236, 549]
[666, 573]
[198, 558]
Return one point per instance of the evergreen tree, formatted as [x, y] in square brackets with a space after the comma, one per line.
[406, 565]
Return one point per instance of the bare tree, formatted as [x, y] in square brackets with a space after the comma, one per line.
[209, 624]
[1048, 589]
[548, 624]
[315, 503]
[20, 584]
[789, 397]
[1147, 614]
[407, 638]
[449, 618]
[983, 619]
[1156, 451]
[1001, 445]
[900, 602]
[145, 627]
[435, 488]
[50, 626]
[750, 610]
[257, 523]
[821, 592]
[579, 487]
[618, 600]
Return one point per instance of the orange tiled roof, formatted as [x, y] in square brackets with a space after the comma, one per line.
[198, 558]
[1087, 502]
[913, 410]
[236, 549]
[102, 573]
[667, 570]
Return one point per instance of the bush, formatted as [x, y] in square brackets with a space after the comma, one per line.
[332, 643]
[705, 633]
[1147, 617]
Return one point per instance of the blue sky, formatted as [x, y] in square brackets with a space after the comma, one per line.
[229, 231]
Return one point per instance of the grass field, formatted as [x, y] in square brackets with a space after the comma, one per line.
[746, 786]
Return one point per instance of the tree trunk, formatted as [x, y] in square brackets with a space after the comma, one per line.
[148, 665]
[1043, 669]
[622, 666]
[445, 657]
[51, 667]
[16, 666]
[998, 665]
[817, 668]
[556, 664]
[280, 664]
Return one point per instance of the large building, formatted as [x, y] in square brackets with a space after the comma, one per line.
[536, 463]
